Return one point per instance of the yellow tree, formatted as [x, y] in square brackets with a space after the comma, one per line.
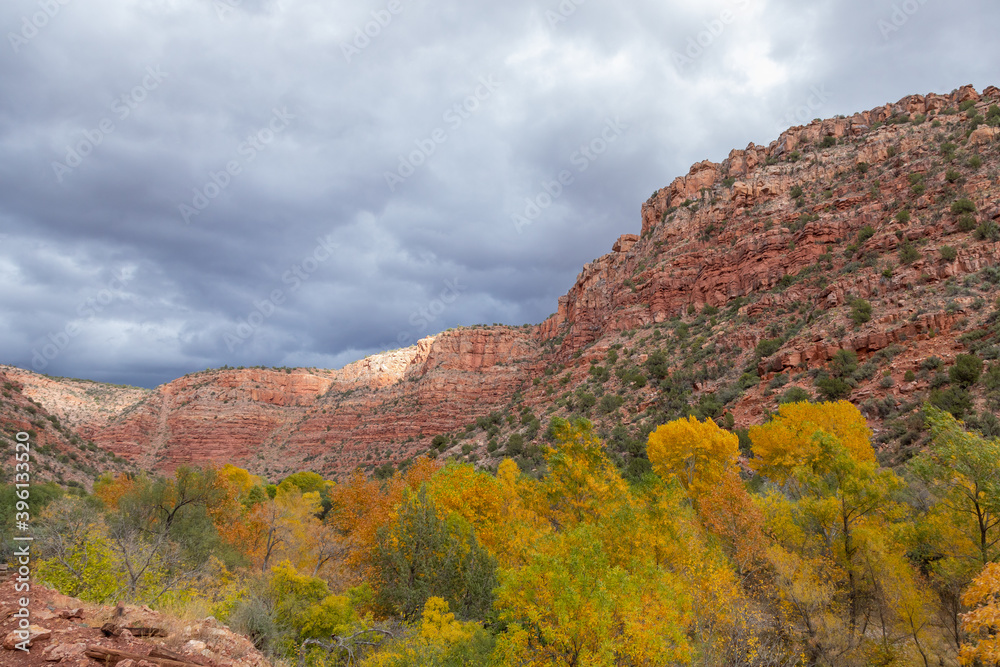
[570, 606]
[834, 499]
[491, 504]
[790, 440]
[695, 453]
[982, 623]
[582, 484]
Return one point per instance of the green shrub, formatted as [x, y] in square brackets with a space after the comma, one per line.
[600, 374]
[975, 162]
[992, 378]
[831, 388]
[963, 205]
[909, 376]
[952, 175]
[966, 222]
[795, 395]
[903, 216]
[827, 142]
[948, 253]
[907, 253]
[954, 400]
[861, 311]
[609, 403]
[844, 363]
[966, 370]
[421, 555]
[767, 347]
[988, 231]
[865, 233]
[515, 444]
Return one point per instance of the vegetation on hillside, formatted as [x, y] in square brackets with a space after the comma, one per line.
[807, 552]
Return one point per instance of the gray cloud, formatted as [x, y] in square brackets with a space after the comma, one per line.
[148, 106]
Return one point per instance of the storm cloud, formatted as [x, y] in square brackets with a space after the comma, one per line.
[191, 183]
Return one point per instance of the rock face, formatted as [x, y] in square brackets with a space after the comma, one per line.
[276, 421]
[775, 242]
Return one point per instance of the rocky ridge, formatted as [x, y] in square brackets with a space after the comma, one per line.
[874, 234]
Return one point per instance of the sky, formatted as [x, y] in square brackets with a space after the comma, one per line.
[186, 184]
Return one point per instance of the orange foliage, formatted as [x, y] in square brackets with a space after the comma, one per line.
[111, 489]
[361, 506]
[728, 510]
[981, 624]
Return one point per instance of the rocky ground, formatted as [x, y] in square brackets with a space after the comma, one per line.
[63, 629]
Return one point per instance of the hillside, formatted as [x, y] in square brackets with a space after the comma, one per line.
[60, 453]
[853, 257]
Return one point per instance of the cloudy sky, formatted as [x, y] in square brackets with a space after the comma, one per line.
[191, 183]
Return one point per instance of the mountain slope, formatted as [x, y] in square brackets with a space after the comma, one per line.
[855, 257]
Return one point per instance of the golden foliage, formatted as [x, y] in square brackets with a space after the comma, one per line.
[982, 623]
[791, 439]
[695, 453]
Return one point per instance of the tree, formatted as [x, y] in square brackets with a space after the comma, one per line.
[728, 510]
[829, 524]
[696, 453]
[571, 606]
[76, 557]
[966, 370]
[982, 623]
[360, 507]
[582, 484]
[420, 555]
[962, 470]
[492, 505]
[793, 437]
[161, 533]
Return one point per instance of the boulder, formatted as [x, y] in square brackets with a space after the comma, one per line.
[32, 634]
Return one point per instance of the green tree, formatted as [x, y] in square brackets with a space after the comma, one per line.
[423, 555]
[962, 470]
